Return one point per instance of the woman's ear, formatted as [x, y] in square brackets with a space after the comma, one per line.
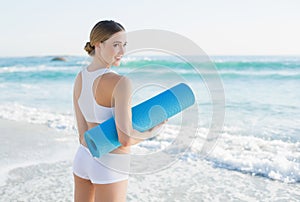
[101, 45]
[98, 46]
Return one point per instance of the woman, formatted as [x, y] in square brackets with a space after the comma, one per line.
[99, 93]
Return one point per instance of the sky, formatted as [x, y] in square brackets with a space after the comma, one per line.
[219, 27]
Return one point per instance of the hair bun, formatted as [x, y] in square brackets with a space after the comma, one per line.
[89, 48]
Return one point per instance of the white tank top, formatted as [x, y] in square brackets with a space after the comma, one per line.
[92, 111]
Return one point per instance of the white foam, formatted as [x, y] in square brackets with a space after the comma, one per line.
[17, 112]
[274, 159]
[260, 72]
[39, 68]
[223, 72]
[162, 139]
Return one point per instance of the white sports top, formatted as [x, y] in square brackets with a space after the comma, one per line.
[91, 110]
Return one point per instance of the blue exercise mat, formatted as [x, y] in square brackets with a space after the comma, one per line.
[104, 138]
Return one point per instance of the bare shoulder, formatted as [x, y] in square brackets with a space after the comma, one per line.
[77, 85]
[78, 78]
[116, 81]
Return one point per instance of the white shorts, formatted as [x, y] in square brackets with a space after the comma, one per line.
[108, 169]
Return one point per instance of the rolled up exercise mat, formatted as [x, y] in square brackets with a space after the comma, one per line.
[104, 138]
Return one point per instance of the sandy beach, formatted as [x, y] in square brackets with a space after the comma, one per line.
[38, 164]
[35, 163]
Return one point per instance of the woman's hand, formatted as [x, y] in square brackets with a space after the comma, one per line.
[158, 126]
[149, 133]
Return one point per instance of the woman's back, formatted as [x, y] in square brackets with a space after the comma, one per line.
[95, 100]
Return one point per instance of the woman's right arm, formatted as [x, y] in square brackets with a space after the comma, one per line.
[80, 120]
[123, 116]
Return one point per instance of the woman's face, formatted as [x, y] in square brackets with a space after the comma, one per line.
[112, 50]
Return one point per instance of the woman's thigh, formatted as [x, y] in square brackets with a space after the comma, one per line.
[84, 190]
[114, 192]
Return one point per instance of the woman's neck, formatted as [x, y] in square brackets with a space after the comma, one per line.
[98, 64]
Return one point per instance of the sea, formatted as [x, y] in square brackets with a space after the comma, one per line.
[255, 154]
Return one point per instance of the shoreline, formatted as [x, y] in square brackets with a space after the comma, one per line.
[36, 162]
[25, 144]
[43, 172]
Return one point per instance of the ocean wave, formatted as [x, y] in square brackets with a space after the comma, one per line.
[39, 68]
[274, 159]
[60, 121]
[271, 158]
[232, 67]
[190, 71]
[160, 140]
[282, 73]
[245, 59]
[238, 63]
[229, 69]
[62, 72]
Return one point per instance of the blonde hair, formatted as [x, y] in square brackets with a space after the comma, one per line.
[102, 31]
